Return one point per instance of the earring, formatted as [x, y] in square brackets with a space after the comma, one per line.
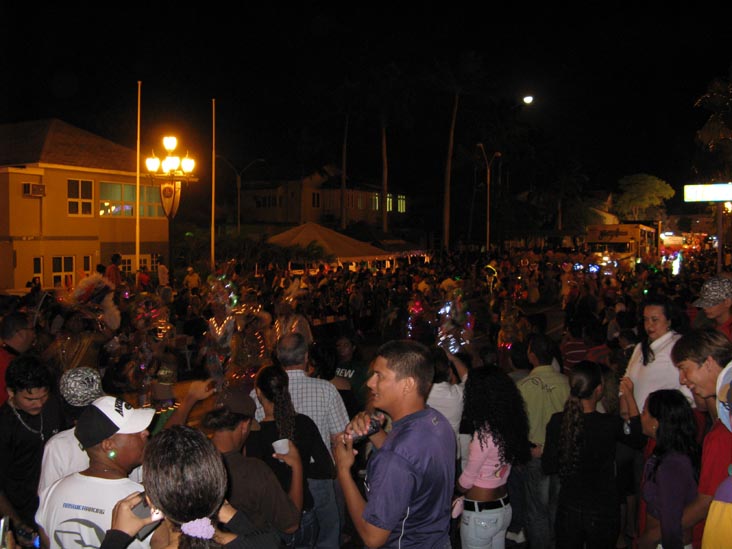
[112, 454]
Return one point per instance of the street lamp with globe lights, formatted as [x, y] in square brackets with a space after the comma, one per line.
[171, 172]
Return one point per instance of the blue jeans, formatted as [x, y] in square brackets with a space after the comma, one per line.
[485, 530]
[326, 509]
[306, 536]
[542, 493]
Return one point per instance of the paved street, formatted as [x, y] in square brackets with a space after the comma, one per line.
[554, 315]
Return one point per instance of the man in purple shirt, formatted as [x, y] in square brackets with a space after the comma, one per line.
[411, 475]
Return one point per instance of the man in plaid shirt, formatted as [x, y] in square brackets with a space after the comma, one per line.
[319, 400]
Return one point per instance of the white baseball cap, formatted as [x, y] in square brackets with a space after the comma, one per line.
[107, 416]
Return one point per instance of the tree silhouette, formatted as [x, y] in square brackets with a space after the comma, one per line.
[639, 193]
[716, 133]
[465, 76]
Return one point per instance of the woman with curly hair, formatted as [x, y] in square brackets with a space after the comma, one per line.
[281, 421]
[494, 408]
[580, 446]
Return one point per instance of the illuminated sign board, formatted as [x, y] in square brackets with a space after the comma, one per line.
[714, 192]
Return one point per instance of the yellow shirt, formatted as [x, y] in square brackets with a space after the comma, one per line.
[718, 527]
[544, 392]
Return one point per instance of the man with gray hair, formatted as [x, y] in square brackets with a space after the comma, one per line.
[715, 299]
[319, 400]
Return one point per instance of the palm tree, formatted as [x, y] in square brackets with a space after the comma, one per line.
[716, 133]
[466, 74]
[345, 98]
[389, 99]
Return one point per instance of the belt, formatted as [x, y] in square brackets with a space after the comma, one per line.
[478, 506]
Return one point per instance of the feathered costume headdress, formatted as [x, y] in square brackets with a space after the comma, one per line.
[94, 295]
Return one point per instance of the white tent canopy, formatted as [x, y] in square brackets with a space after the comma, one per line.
[342, 247]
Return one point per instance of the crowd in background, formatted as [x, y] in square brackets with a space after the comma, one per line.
[594, 414]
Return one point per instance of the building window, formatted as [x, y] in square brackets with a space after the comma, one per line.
[79, 197]
[316, 200]
[62, 271]
[38, 269]
[375, 201]
[267, 201]
[86, 265]
[389, 203]
[117, 199]
[401, 203]
[125, 266]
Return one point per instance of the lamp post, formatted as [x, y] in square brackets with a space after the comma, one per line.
[488, 164]
[238, 174]
[170, 172]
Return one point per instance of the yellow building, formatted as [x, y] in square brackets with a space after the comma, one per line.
[67, 203]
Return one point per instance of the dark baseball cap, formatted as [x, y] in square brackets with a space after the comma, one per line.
[237, 400]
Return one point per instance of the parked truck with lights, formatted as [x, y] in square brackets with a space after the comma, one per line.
[622, 245]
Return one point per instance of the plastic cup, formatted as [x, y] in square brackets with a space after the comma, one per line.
[281, 446]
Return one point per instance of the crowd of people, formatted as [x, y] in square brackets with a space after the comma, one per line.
[471, 423]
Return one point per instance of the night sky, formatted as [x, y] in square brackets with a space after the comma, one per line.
[615, 86]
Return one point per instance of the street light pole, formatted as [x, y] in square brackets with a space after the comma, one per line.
[238, 174]
[488, 164]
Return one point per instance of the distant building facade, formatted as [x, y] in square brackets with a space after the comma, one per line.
[317, 198]
[67, 203]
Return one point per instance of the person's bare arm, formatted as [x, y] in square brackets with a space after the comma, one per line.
[198, 391]
[651, 536]
[462, 369]
[627, 399]
[696, 511]
[372, 536]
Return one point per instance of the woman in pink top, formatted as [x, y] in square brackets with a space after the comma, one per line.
[495, 409]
